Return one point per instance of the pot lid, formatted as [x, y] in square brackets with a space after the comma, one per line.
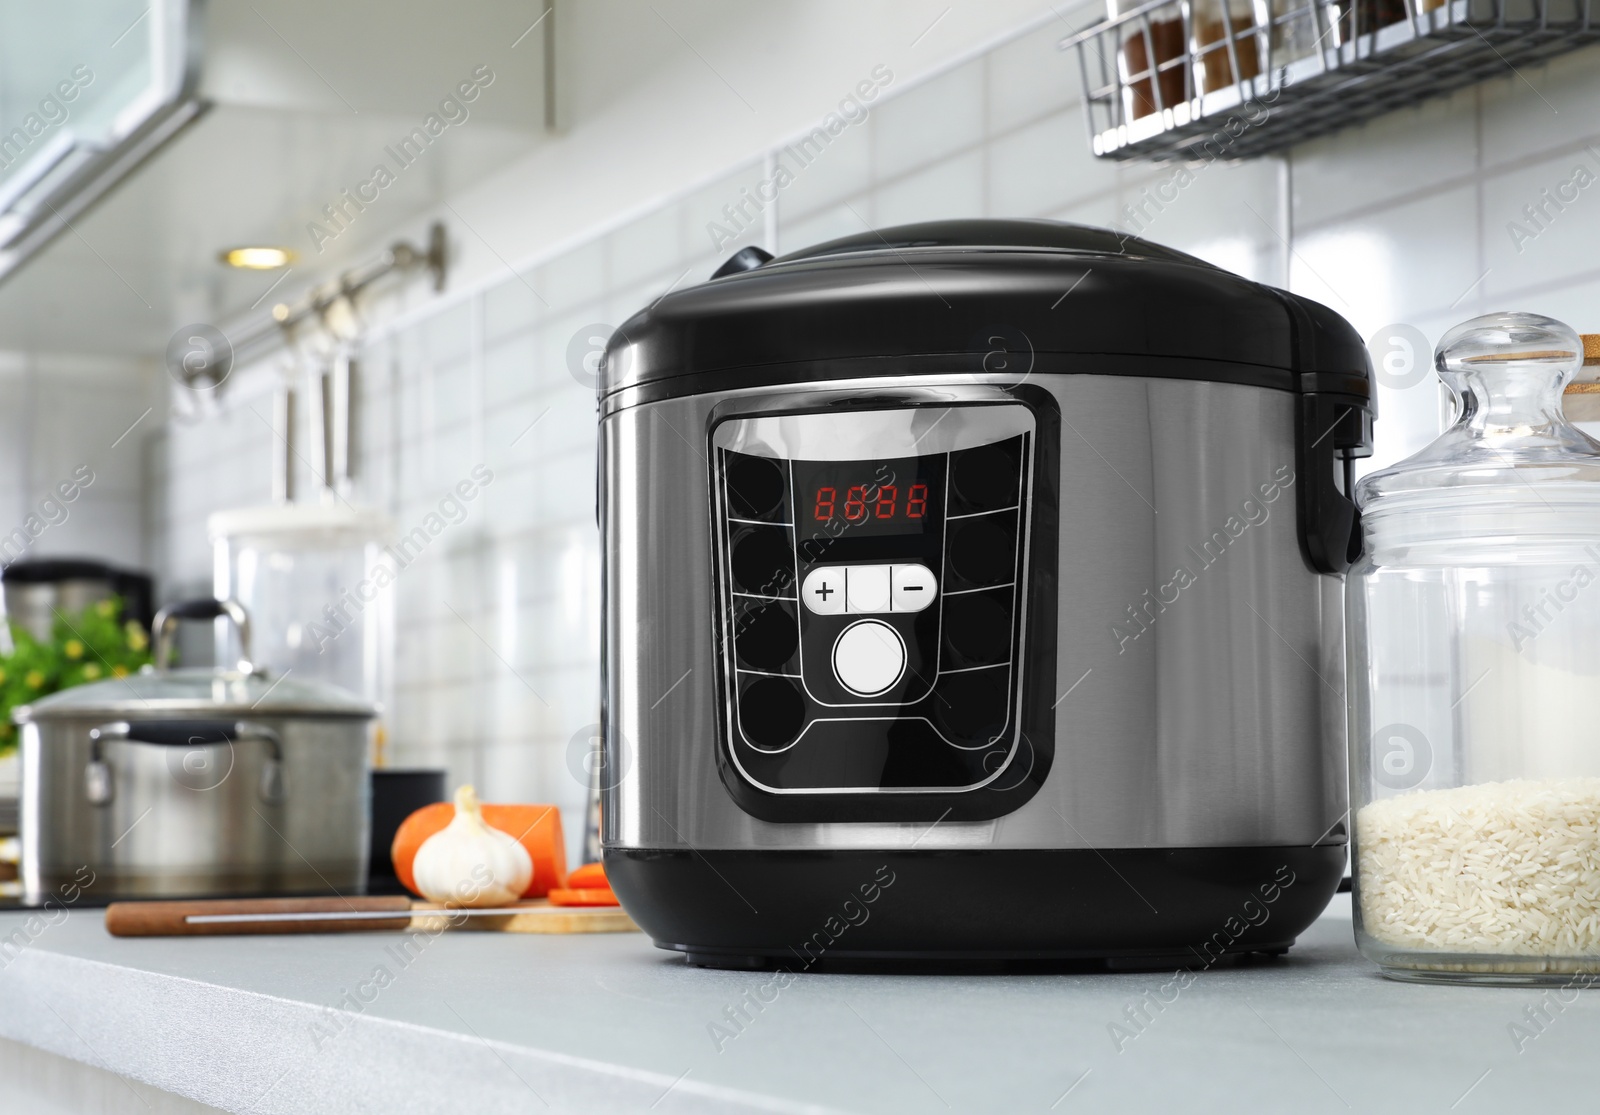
[204, 692]
[1511, 446]
[942, 289]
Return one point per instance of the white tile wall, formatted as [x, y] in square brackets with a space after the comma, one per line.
[498, 622]
[64, 413]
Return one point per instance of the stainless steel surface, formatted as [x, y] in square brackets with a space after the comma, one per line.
[401, 257]
[191, 820]
[33, 606]
[100, 788]
[283, 447]
[280, 806]
[1217, 722]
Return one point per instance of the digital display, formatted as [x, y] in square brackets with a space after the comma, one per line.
[863, 501]
[843, 499]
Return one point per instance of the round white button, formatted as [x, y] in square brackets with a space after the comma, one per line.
[869, 657]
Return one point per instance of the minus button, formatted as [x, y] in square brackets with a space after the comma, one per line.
[912, 587]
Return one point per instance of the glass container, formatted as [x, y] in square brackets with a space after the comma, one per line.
[1474, 643]
[1217, 25]
[1153, 60]
[316, 581]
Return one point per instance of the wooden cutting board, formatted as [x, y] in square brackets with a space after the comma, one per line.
[536, 915]
[254, 916]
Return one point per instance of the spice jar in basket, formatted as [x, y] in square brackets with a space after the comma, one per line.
[1474, 642]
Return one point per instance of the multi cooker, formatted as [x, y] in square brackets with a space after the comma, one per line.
[971, 592]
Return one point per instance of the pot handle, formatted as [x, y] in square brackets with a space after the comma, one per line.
[182, 733]
[166, 625]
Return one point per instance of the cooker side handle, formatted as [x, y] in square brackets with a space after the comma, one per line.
[1333, 427]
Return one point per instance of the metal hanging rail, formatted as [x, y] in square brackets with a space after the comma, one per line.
[1205, 79]
[400, 257]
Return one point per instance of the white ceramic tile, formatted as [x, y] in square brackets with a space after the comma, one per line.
[711, 220]
[824, 170]
[1044, 166]
[1226, 214]
[539, 427]
[448, 394]
[509, 307]
[510, 369]
[830, 224]
[1385, 269]
[1396, 154]
[926, 123]
[1029, 78]
[572, 278]
[644, 247]
[952, 188]
[447, 335]
[1575, 301]
[1557, 239]
[1540, 107]
[1096, 212]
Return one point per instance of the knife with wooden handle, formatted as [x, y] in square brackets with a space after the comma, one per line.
[247, 916]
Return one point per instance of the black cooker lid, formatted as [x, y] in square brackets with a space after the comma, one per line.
[946, 289]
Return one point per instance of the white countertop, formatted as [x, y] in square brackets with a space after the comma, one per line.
[487, 1023]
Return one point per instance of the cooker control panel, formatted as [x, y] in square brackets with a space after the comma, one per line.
[873, 574]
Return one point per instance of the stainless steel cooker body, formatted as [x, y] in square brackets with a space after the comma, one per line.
[149, 807]
[971, 592]
[1197, 664]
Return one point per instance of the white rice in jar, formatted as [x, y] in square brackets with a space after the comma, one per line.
[1501, 867]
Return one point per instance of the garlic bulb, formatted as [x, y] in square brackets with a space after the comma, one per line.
[468, 863]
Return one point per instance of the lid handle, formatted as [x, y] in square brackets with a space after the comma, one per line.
[1508, 371]
[745, 259]
[166, 627]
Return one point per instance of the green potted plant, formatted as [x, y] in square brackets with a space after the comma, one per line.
[91, 646]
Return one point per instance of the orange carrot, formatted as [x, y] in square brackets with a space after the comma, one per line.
[589, 875]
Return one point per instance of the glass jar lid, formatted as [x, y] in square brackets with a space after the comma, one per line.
[1511, 445]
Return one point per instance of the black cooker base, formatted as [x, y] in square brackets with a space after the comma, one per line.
[992, 908]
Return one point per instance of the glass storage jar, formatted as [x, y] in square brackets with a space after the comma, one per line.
[1225, 32]
[1474, 643]
[316, 581]
[1152, 66]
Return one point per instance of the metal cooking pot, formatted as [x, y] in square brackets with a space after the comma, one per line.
[195, 781]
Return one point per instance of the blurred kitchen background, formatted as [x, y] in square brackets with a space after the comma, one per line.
[608, 151]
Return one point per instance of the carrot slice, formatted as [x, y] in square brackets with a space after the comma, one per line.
[588, 896]
[589, 875]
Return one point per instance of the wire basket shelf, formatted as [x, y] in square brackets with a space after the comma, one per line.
[1206, 79]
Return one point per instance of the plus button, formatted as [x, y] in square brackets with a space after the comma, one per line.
[824, 590]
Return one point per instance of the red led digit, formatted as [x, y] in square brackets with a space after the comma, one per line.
[823, 511]
[855, 503]
[887, 494]
[917, 504]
